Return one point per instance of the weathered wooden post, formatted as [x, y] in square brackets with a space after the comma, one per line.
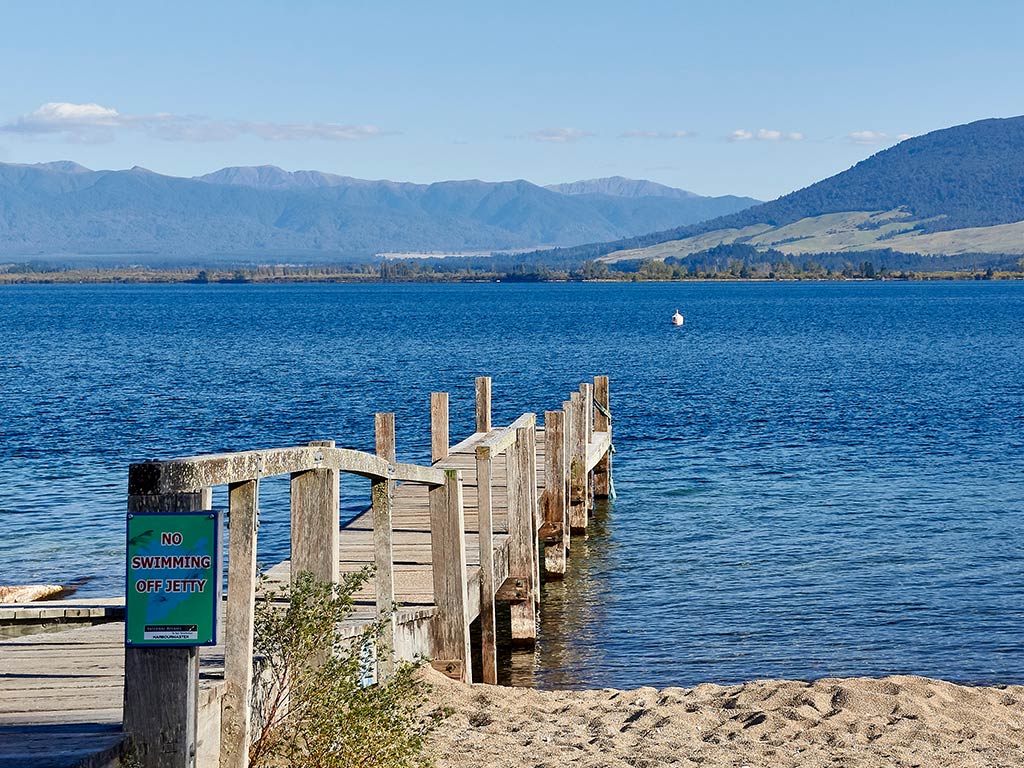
[382, 494]
[587, 390]
[450, 626]
[161, 685]
[439, 443]
[568, 423]
[602, 423]
[578, 464]
[530, 488]
[485, 501]
[522, 539]
[243, 521]
[556, 519]
[316, 522]
[483, 404]
[587, 395]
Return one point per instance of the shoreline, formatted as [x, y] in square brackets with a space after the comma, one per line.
[160, 277]
[865, 722]
[854, 722]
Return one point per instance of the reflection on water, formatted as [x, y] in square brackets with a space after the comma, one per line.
[574, 616]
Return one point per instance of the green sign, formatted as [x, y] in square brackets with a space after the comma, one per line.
[173, 578]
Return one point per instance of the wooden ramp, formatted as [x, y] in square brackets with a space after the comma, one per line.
[451, 544]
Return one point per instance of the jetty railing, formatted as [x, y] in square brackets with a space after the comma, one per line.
[161, 694]
[171, 724]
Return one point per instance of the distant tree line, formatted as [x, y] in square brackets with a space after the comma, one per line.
[730, 262]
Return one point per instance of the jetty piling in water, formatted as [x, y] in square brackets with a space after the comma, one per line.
[457, 541]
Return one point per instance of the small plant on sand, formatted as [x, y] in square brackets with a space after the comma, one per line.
[311, 707]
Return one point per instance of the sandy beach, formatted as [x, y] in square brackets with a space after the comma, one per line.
[891, 721]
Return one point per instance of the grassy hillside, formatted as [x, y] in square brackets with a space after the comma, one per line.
[850, 232]
[966, 177]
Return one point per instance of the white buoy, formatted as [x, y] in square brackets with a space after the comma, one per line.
[677, 319]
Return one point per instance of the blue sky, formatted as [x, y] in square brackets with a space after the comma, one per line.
[718, 97]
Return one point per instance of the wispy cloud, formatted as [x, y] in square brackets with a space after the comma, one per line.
[770, 134]
[97, 123]
[60, 116]
[868, 137]
[764, 134]
[79, 122]
[299, 131]
[656, 135]
[559, 135]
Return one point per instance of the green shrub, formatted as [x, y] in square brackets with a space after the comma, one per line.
[309, 706]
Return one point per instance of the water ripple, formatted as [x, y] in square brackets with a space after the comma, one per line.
[813, 479]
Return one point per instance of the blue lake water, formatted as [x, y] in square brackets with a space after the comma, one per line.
[813, 479]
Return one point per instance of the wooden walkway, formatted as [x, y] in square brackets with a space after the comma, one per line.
[61, 697]
[452, 544]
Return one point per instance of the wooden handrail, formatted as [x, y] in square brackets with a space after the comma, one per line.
[414, 473]
[495, 444]
[194, 473]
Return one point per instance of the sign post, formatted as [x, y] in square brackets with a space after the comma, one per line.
[173, 572]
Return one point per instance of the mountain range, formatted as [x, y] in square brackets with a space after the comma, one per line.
[64, 211]
[956, 193]
[619, 186]
[952, 192]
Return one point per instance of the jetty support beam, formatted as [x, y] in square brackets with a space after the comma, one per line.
[450, 626]
[587, 395]
[439, 443]
[556, 510]
[485, 508]
[316, 522]
[533, 501]
[382, 494]
[522, 536]
[483, 404]
[576, 416]
[602, 423]
[235, 712]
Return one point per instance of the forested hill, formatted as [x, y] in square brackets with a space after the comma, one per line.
[618, 186]
[60, 211]
[967, 176]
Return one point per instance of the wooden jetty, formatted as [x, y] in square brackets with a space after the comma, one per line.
[452, 543]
